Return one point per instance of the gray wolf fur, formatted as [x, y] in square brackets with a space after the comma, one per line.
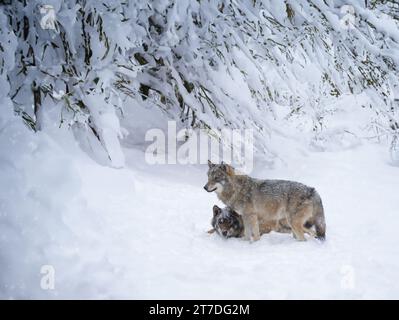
[226, 222]
[261, 203]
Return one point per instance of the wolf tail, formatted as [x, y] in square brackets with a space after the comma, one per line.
[319, 219]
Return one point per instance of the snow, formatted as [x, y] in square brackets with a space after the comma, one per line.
[80, 200]
[140, 232]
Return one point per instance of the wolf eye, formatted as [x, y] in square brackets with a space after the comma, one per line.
[221, 220]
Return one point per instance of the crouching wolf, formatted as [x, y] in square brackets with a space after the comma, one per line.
[266, 202]
[228, 224]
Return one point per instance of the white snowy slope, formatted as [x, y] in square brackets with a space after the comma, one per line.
[140, 232]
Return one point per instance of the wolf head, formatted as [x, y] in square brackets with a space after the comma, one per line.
[218, 176]
[226, 222]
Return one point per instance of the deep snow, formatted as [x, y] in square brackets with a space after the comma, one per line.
[140, 232]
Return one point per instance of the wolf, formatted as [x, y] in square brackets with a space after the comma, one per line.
[266, 202]
[228, 224]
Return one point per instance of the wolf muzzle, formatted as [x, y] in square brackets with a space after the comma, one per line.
[207, 188]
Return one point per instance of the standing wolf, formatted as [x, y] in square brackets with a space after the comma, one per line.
[261, 202]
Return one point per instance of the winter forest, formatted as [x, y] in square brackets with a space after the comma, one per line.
[83, 214]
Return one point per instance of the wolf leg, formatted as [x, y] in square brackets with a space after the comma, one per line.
[247, 228]
[283, 226]
[310, 232]
[298, 220]
[318, 213]
[251, 227]
[255, 227]
[298, 234]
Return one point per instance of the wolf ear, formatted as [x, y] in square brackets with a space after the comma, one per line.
[216, 210]
[235, 214]
[210, 164]
[228, 169]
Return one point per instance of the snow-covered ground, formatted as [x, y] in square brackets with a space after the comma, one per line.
[140, 232]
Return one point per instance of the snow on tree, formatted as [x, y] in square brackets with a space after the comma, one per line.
[7, 56]
[207, 64]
